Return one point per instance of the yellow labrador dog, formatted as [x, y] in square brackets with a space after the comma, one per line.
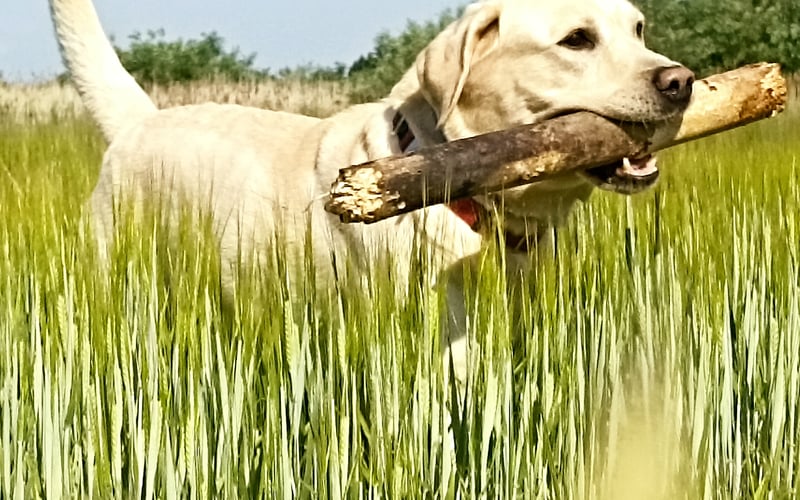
[503, 63]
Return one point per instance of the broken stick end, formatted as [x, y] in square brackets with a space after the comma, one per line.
[775, 88]
[358, 195]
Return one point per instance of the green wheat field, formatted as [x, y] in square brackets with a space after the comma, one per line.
[660, 357]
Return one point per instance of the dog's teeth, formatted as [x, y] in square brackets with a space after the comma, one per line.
[626, 163]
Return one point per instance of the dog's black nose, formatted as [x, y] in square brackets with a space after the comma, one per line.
[674, 83]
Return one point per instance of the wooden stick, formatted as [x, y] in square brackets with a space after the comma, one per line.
[387, 187]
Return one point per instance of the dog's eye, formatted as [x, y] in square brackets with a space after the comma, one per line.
[640, 29]
[579, 39]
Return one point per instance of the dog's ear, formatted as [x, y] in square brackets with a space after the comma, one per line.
[443, 67]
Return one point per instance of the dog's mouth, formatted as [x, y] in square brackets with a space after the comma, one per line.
[628, 176]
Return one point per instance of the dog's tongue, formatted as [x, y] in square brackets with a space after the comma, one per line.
[645, 166]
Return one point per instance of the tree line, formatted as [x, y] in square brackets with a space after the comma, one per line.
[706, 35]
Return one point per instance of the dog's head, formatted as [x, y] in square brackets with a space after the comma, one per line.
[512, 62]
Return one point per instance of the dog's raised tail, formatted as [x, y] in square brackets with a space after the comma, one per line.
[110, 93]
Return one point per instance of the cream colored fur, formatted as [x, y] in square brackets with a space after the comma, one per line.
[500, 65]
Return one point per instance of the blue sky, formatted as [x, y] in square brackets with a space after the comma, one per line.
[282, 33]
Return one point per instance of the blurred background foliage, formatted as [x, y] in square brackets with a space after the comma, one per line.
[706, 35]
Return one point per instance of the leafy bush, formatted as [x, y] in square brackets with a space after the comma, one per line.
[313, 72]
[152, 59]
[374, 74]
[710, 36]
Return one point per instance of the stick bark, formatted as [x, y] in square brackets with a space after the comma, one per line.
[392, 186]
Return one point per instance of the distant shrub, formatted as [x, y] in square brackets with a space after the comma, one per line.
[314, 73]
[374, 74]
[710, 36]
[153, 60]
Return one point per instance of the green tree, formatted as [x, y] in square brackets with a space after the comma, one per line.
[710, 35]
[152, 59]
[374, 74]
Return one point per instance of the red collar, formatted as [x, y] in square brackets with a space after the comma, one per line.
[478, 218]
[470, 211]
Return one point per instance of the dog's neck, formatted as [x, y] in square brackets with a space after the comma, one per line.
[420, 115]
[475, 215]
[405, 136]
[415, 125]
[467, 210]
